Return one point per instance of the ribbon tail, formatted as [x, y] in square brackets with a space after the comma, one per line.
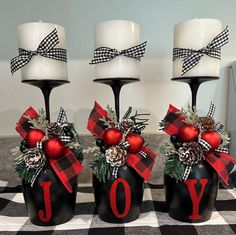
[95, 125]
[67, 168]
[190, 62]
[142, 165]
[18, 62]
[23, 126]
[222, 163]
[173, 120]
[50, 41]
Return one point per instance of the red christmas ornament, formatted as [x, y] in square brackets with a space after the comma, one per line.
[136, 142]
[212, 138]
[34, 136]
[188, 133]
[53, 148]
[112, 136]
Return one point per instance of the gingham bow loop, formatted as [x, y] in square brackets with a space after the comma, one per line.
[105, 54]
[45, 49]
[192, 57]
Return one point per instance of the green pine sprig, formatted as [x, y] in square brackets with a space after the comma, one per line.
[166, 148]
[191, 115]
[174, 168]
[100, 167]
[75, 145]
[111, 114]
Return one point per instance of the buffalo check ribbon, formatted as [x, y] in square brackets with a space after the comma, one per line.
[142, 162]
[219, 159]
[23, 126]
[173, 120]
[105, 54]
[142, 165]
[67, 167]
[46, 49]
[95, 125]
[192, 57]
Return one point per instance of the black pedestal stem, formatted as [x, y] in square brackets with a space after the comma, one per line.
[194, 83]
[46, 87]
[116, 84]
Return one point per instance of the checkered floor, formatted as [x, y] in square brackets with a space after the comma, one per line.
[153, 220]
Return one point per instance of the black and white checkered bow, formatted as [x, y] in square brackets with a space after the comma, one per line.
[105, 54]
[192, 57]
[60, 120]
[45, 48]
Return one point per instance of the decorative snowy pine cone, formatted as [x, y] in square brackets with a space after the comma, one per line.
[126, 124]
[115, 156]
[207, 123]
[34, 158]
[54, 129]
[190, 153]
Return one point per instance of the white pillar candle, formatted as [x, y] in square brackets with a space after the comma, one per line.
[196, 34]
[30, 36]
[120, 35]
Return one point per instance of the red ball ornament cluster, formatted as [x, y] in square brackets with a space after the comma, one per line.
[113, 136]
[52, 147]
[135, 142]
[212, 138]
[34, 136]
[188, 133]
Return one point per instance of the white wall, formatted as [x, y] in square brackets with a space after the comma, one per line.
[152, 94]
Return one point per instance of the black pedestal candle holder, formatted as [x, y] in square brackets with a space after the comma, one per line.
[194, 82]
[44, 210]
[123, 204]
[116, 85]
[178, 193]
[46, 87]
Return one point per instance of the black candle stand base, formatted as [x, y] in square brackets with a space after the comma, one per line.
[46, 87]
[116, 84]
[194, 83]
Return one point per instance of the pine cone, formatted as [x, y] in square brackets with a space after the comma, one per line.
[126, 124]
[207, 123]
[54, 129]
[34, 158]
[115, 155]
[190, 153]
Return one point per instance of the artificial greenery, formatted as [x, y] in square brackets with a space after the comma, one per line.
[100, 167]
[40, 122]
[174, 168]
[191, 115]
[75, 145]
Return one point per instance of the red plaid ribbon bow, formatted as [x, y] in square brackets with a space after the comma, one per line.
[142, 165]
[222, 162]
[67, 168]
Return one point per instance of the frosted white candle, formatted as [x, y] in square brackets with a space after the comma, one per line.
[30, 36]
[120, 35]
[196, 34]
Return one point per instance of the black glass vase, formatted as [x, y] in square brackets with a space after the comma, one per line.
[119, 200]
[192, 200]
[48, 202]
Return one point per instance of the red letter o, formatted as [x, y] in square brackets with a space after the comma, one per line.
[113, 197]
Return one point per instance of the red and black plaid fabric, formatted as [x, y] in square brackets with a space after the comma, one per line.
[223, 164]
[67, 169]
[95, 125]
[23, 126]
[173, 120]
[142, 165]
